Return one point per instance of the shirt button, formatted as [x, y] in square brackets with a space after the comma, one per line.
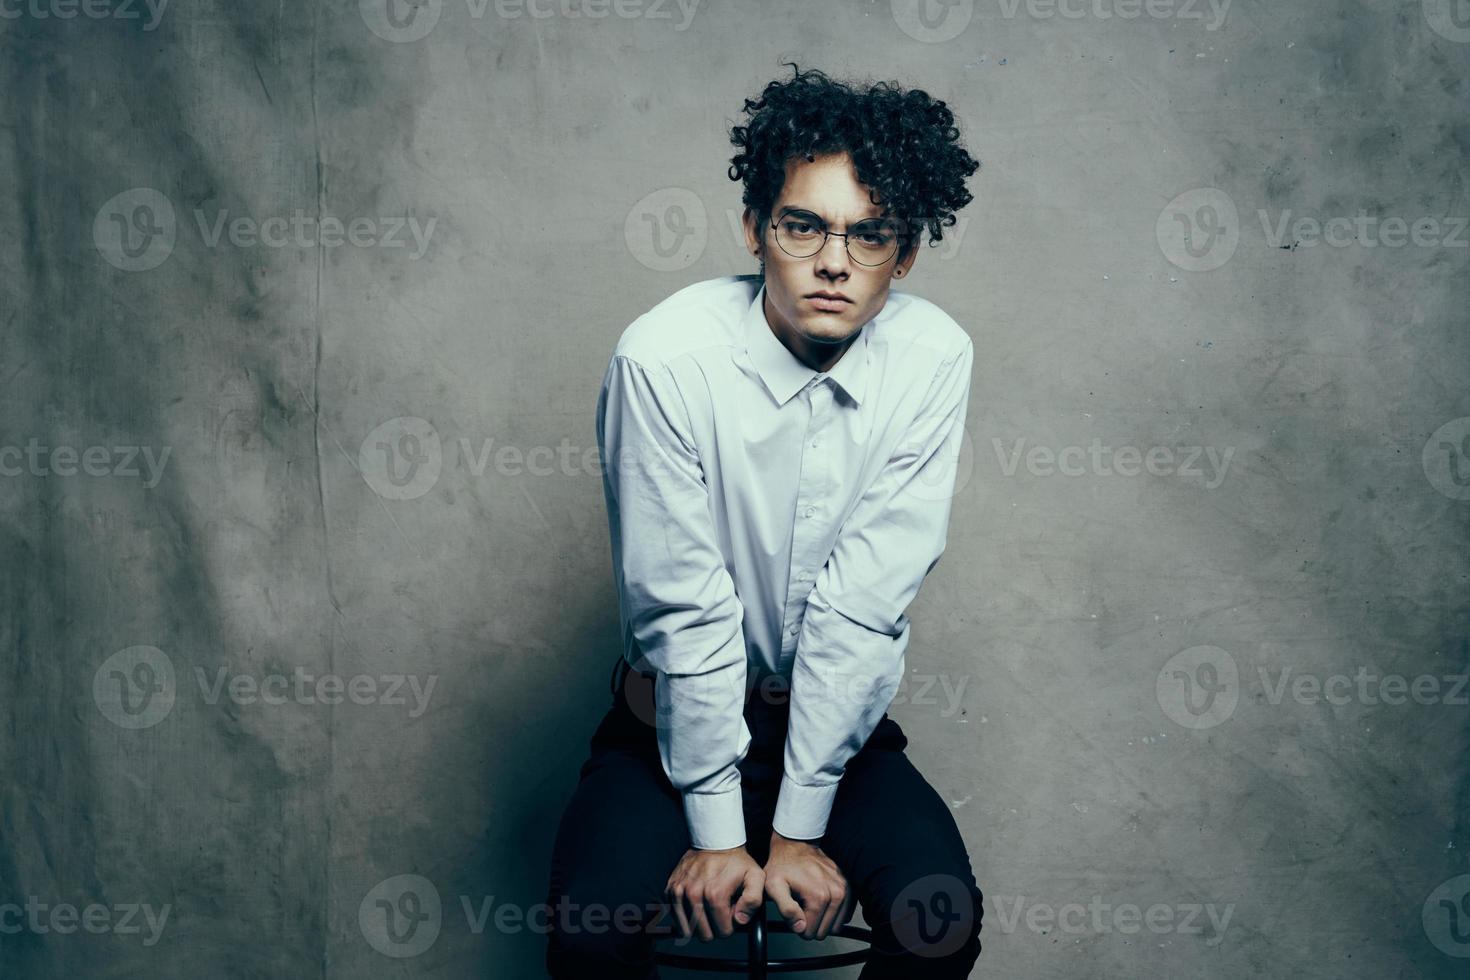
[794, 629]
[816, 443]
[810, 511]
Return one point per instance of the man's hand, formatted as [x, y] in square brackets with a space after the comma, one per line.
[704, 884]
[822, 900]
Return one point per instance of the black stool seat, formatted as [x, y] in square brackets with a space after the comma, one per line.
[758, 964]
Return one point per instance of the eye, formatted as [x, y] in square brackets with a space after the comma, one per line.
[799, 226]
[875, 236]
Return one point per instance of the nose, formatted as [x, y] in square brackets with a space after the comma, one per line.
[832, 260]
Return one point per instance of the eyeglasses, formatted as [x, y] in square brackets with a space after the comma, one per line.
[802, 234]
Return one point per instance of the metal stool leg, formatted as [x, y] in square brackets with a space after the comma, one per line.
[755, 944]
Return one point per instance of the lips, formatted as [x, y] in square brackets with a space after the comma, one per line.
[828, 303]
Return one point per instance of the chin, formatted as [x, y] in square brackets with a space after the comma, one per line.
[828, 328]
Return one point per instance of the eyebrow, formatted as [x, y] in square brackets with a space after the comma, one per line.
[798, 207]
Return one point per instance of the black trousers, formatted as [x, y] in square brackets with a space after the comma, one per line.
[889, 832]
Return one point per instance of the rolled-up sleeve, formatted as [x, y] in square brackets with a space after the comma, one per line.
[676, 596]
[849, 657]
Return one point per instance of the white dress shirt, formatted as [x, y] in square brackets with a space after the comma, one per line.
[764, 512]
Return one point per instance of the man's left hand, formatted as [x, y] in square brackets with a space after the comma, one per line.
[808, 889]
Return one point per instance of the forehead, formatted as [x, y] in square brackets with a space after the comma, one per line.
[827, 185]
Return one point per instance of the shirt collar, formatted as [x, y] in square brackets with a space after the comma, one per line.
[784, 375]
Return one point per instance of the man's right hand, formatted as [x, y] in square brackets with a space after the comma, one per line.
[727, 886]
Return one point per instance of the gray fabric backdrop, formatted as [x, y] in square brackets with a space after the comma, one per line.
[307, 604]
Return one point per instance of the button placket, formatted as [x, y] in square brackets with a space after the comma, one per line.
[811, 484]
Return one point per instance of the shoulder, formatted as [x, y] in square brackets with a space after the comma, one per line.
[919, 331]
[700, 317]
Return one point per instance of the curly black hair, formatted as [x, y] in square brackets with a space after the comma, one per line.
[904, 145]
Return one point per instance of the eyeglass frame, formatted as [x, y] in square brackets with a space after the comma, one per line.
[827, 232]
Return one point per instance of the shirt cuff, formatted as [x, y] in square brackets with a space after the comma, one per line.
[802, 811]
[716, 820]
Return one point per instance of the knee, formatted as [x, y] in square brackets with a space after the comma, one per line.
[931, 912]
[590, 932]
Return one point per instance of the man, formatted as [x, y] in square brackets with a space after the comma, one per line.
[780, 455]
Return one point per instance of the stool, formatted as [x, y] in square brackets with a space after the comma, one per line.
[758, 964]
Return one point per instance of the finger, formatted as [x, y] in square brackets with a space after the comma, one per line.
[676, 897]
[752, 895]
[697, 915]
[720, 911]
[781, 894]
[847, 907]
[813, 908]
[833, 911]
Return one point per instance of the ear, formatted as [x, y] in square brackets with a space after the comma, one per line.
[906, 259]
[753, 235]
